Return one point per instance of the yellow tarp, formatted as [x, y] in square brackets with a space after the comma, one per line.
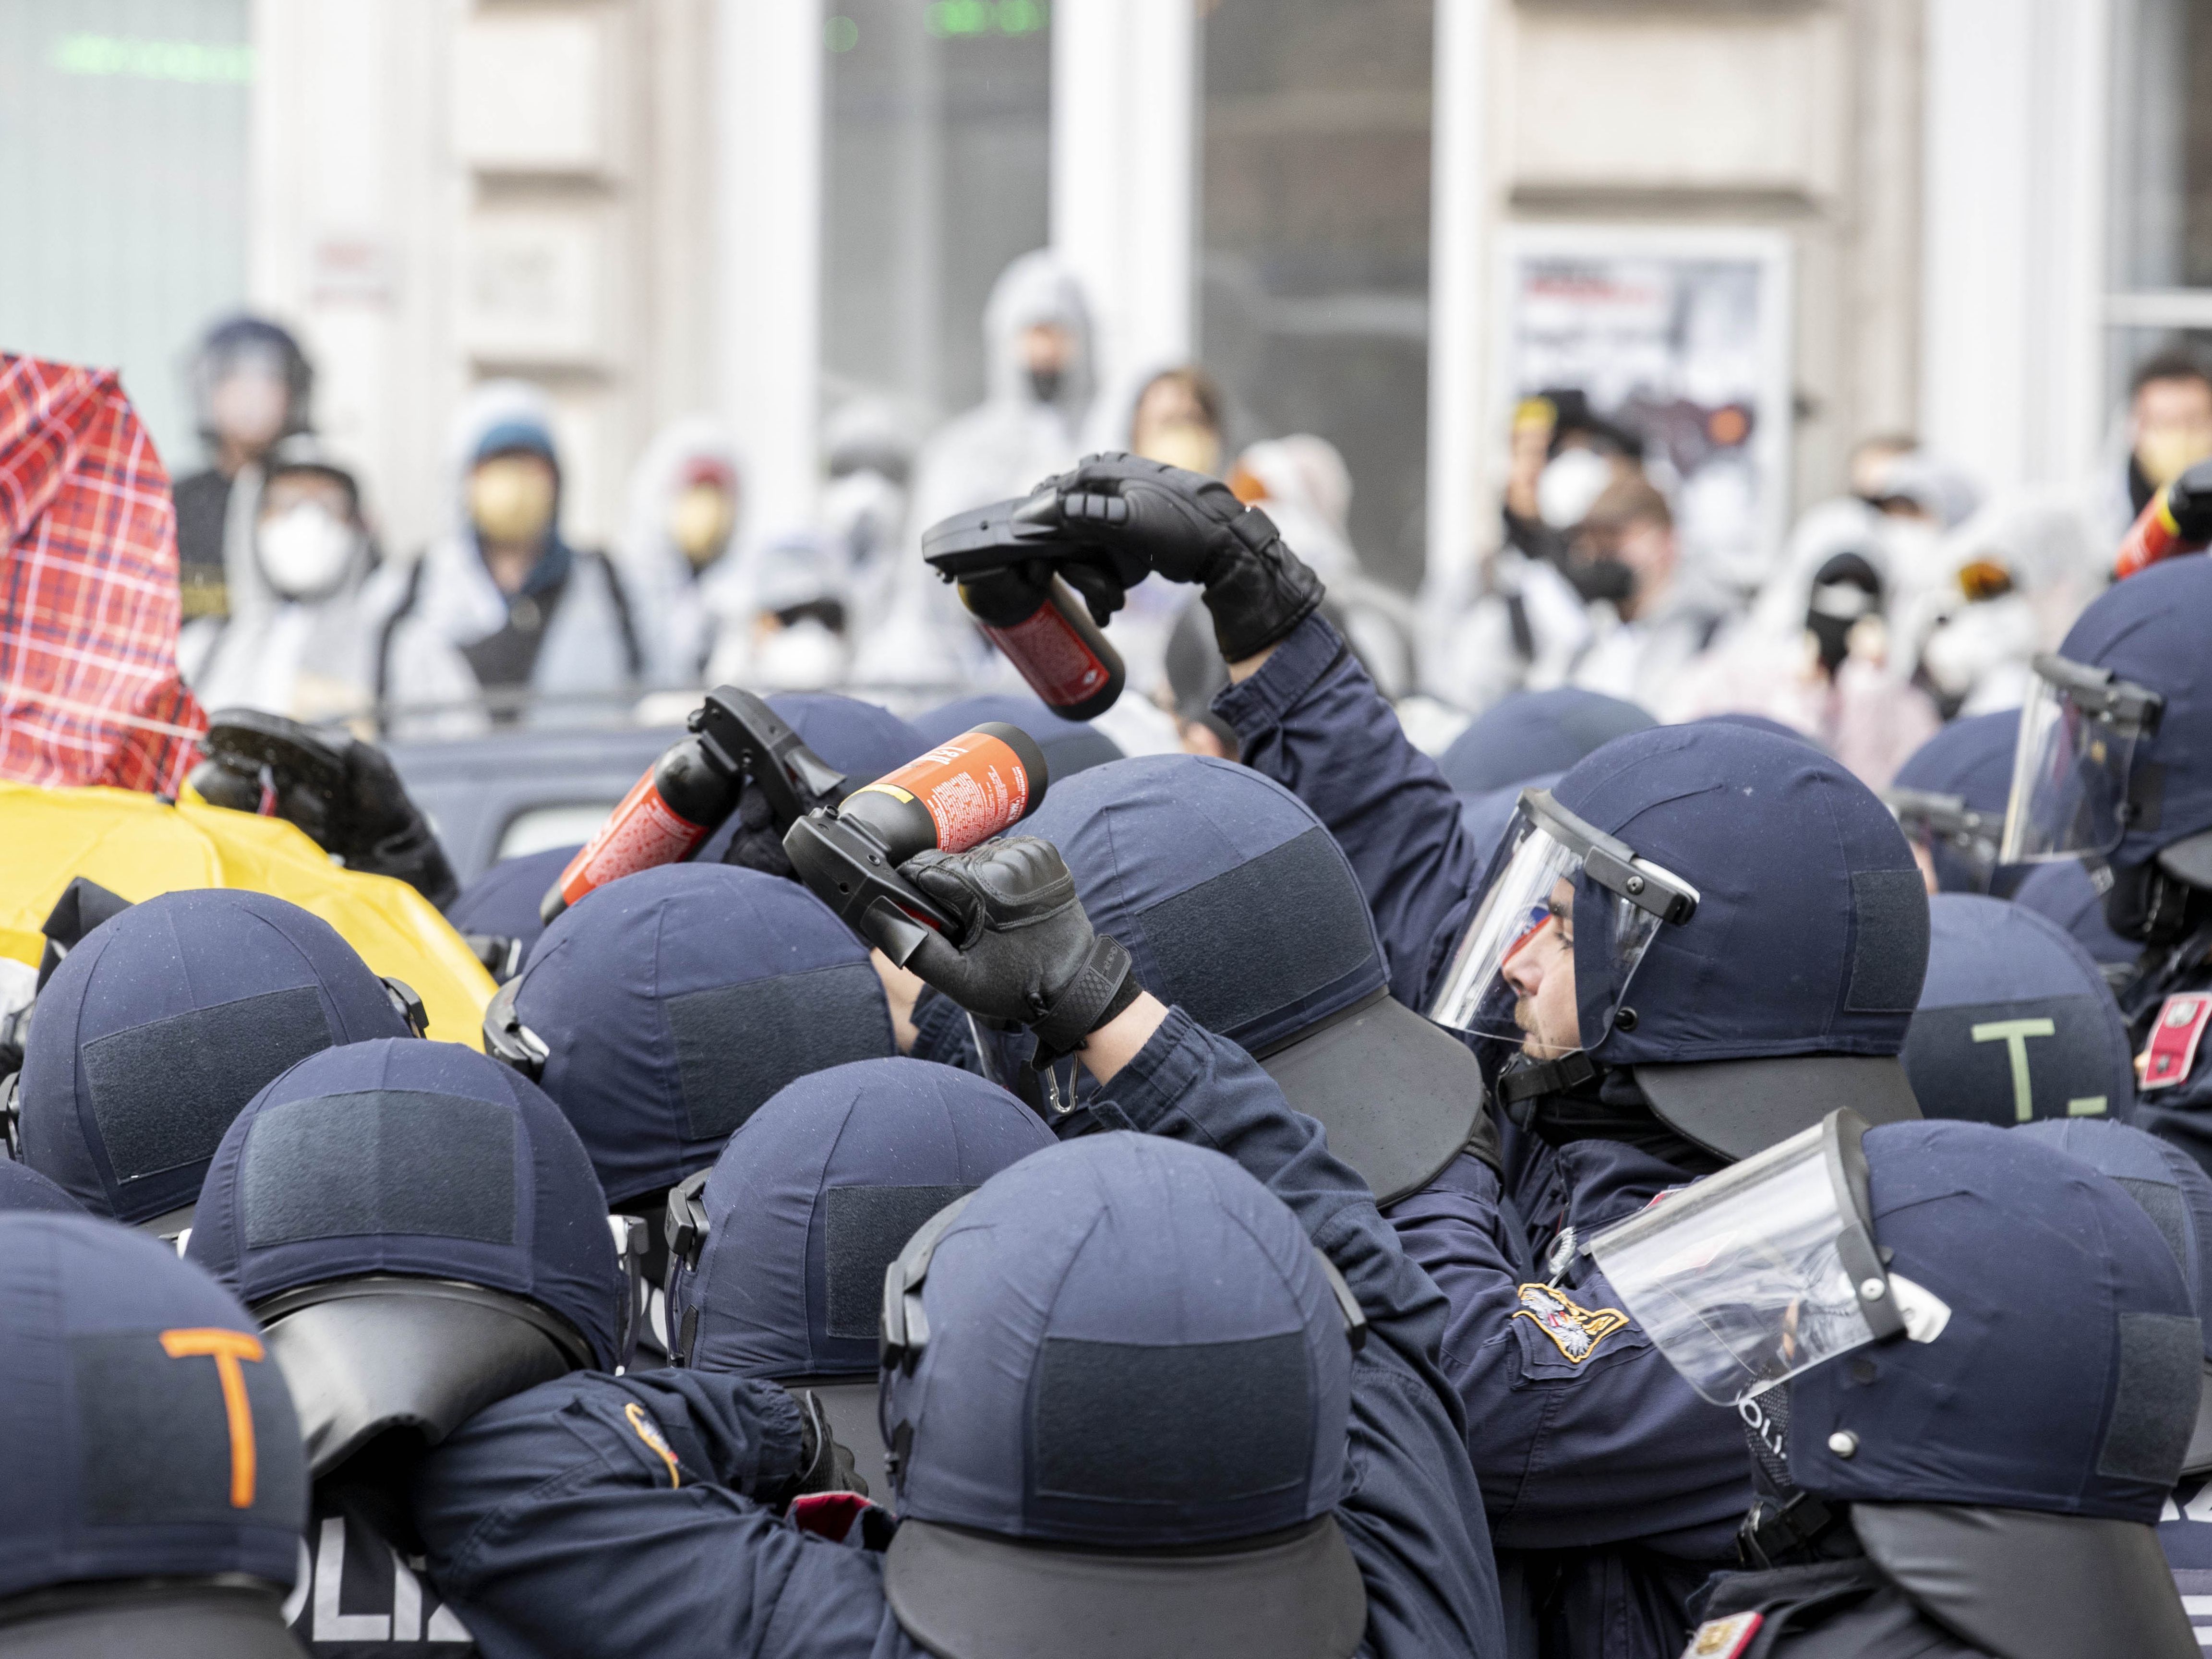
[133, 845]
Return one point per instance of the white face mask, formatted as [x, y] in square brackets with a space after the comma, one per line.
[306, 549]
[804, 656]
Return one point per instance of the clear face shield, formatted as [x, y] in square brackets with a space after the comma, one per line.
[1568, 915]
[2072, 769]
[1931, 819]
[1766, 1269]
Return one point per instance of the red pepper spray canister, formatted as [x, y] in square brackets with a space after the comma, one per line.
[1047, 633]
[666, 814]
[2177, 520]
[957, 796]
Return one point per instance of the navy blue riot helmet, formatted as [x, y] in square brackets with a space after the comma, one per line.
[1069, 746]
[1234, 901]
[2115, 754]
[2176, 1193]
[1116, 1390]
[1949, 798]
[1534, 732]
[156, 1491]
[1990, 1353]
[2015, 1021]
[777, 1254]
[162, 1023]
[661, 1010]
[421, 1235]
[1746, 927]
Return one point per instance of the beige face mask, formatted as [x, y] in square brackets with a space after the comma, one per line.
[699, 523]
[1185, 444]
[511, 498]
[2165, 452]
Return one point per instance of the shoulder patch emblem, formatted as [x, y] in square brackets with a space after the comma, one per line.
[1576, 1331]
[1724, 1638]
[2172, 1051]
[649, 1432]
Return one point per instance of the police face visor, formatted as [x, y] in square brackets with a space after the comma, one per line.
[2074, 765]
[1766, 1269]
[1931, 819]
[1566, 906]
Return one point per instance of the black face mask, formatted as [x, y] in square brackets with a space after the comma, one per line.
[2147, 904]
[1606, 1105]
[1045, 384]
[1601, 577]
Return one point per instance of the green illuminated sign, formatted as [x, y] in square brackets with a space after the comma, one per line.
[153, 60]
[954, 20]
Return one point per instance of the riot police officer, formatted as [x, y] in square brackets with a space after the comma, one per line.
[1702, 939]
[420, 1234]
[661, 1010]
[2114, 767]
[162, 1023]
[1971, 1365]
[152, 1463]
[777, 1253]
[2015, 1023]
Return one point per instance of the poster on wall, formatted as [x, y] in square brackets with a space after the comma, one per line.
[1680, 340]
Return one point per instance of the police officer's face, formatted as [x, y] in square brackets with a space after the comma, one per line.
[1541, 971]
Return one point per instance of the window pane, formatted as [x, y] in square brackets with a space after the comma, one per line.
[1314, 222]
[936, 175]
[123, 127]
[2162, 155]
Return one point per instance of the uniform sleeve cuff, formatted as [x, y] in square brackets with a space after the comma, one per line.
[1308, 653]
[1171, 1062]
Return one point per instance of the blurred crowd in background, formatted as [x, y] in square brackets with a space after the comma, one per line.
[1916, 597]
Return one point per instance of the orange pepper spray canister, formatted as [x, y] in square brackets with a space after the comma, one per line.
[666, 814]
[2177, 520]
[957, 796]
[1049, 636]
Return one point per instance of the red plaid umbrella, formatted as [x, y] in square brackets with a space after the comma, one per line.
[88, 610]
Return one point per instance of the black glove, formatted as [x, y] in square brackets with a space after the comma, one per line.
[375, 826]
[825, 1463]
[757, 843]
[1190, 528]
[1026, 953]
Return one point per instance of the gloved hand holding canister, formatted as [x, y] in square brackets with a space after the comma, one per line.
[1190, 528]
[1024, 952]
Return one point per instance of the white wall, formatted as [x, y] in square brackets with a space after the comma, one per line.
[1124, 153]
[2014, 237]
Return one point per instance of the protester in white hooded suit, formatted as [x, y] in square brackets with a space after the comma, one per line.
[501, 618]
[297, 552]
[677, 554]
[1040, 381]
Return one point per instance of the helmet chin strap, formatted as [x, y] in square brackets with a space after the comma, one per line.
[1526, 1079]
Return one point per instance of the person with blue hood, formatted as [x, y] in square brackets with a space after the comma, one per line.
[158, 1027]
[502, 611]
[1701, 941]
[155, 1482]
[420, 1235]
[778, 1250]
[2114, 769]
[1969, 1365]
[1169, 1388]
[2016, 1024]
[1949, 798]
[2176, 1196]
[660, 1010]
